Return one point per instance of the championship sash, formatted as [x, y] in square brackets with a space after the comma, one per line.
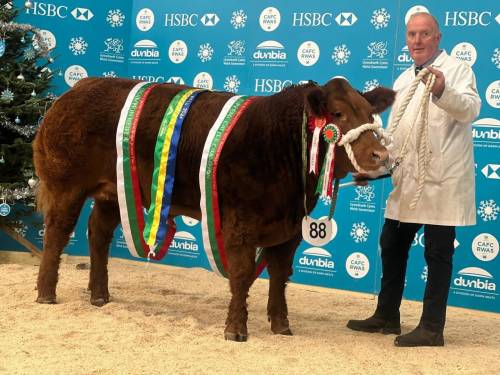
[211, 224]
[164, 165]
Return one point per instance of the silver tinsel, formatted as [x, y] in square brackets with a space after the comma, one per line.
[9, 27]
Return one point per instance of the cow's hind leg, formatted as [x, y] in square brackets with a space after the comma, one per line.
[103, 220]
[61, 211]
[279, 265]
[241, 263]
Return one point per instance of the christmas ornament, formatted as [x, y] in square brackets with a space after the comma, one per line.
[23, 40]
[28, 4]
[33, 93]
[17, 120]
[2, 160]
[20, 76]
[4, 209]
[7, 95]
[32, 182]
[51, 60]
[29, 54]
[2, 47]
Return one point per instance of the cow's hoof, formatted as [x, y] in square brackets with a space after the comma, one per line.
[46, 300]
[238, 337]
[286, 332]
[99, 302]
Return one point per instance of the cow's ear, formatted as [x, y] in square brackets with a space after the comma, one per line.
[316, 102]
[380, 98]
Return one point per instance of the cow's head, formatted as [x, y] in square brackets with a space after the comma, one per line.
[348, 109]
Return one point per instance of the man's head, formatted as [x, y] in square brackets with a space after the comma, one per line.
[422, 37]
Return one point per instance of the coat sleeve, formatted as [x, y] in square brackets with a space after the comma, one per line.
[460, 98]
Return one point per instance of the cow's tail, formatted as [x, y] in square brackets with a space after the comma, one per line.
[44, 198]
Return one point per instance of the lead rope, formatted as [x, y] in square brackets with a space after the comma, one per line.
[422, 139]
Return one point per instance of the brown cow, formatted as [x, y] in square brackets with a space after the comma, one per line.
[261, 191]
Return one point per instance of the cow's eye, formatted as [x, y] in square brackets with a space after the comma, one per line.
[337, 114]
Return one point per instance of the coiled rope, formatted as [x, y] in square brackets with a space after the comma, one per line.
[422, 139]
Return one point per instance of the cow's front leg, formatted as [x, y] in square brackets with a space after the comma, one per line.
[279, 265]
[241, 263]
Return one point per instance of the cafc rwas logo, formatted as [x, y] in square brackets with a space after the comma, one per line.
[357, 265]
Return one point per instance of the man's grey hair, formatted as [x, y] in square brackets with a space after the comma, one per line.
[436, 23]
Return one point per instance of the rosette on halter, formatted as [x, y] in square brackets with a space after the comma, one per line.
[332, 135]
[316, 125]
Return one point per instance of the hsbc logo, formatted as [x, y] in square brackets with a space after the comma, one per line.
[491, 171]
[82, 14]
[306, 19]
[190, 20]
[268, 86]
[467, 18]
[210, 19]
[47, 10]
[149, 78]
[59, 11]
[346, 19]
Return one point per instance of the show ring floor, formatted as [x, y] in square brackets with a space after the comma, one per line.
[168, 320]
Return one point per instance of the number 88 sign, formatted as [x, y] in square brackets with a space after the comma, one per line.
[318, 232]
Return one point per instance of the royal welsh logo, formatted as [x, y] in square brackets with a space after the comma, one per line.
[114, 45]
[377, 49]
[365, 193]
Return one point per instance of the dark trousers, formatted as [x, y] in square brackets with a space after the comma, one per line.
[395, 242]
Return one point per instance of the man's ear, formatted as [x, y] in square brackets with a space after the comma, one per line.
[380, 98]
[316, 102]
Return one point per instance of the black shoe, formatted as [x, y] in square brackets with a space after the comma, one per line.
[420, 337]
[376, 324]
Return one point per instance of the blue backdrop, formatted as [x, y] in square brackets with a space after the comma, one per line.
[258, 49]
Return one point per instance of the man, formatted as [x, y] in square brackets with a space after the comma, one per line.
[447, 199]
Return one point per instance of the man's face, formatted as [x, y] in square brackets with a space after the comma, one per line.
[422, 38]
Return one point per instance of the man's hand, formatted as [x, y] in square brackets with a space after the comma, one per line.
[439, 83]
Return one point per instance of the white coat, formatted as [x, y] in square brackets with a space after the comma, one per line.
[448, 196]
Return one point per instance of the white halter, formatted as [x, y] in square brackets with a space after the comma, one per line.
[354, 134]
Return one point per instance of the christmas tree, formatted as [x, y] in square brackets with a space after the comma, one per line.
[24, 79]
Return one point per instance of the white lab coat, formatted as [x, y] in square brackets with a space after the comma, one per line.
[448, 196]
